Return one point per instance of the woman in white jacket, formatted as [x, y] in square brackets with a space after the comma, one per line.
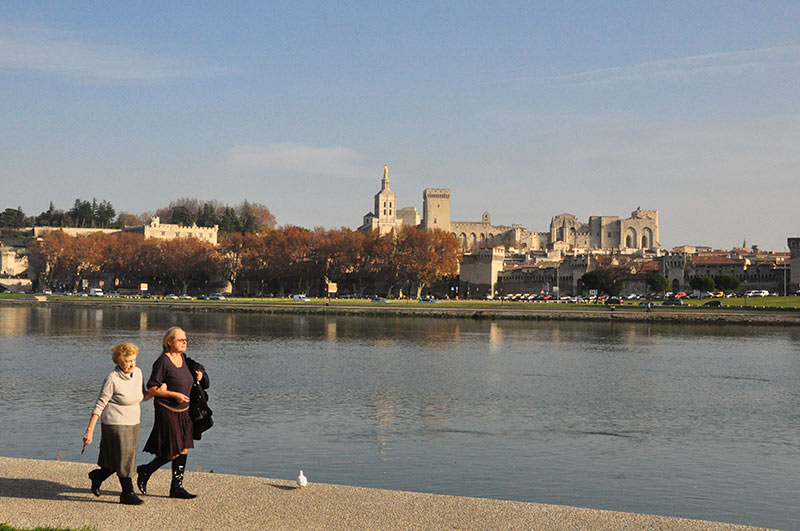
[118, 409]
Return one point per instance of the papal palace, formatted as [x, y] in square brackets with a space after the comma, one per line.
[512, 259]
[640, 231]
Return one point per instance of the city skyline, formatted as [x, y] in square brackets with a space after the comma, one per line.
[525, 110]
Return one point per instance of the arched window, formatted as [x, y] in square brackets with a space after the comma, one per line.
[463, 240]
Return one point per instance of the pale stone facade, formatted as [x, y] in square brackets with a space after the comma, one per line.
[152, 229]
[13, 261]
[639, 231]
[386, 217]
[479, 272]
[167, 231]
[72, 231]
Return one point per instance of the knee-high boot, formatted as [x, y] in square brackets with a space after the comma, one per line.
[176, 490]
[143, 472]
[98, 476]
[128, 497]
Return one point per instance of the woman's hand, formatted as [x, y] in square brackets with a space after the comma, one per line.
[180, 397]
[87, 437]
[198, 375]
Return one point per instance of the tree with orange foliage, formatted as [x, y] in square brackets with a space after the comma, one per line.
[424, 256]
[188, 260]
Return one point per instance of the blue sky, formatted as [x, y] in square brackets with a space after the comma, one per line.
[522, 109]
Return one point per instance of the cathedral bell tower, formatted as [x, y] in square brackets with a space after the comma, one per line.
[386, 201]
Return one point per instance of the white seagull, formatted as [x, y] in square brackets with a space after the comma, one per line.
[302, 481]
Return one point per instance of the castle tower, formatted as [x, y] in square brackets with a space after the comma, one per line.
[436, 209]
[385, 201]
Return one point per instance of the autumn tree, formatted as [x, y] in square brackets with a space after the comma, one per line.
[424, 256]
[187, 260]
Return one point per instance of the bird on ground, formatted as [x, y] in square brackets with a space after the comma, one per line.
[302, 481]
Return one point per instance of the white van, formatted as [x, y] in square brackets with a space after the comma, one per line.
[756, 293]
[302, 297]
[96, 292]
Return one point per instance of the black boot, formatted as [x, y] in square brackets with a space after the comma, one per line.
[176, 490]
[98, 476]
[128, 497]
[143, 472]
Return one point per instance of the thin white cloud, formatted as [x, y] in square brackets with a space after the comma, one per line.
[742, 61]
[298, 158]
[60, 53]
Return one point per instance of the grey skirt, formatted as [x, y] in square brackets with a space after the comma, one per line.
[118, 447]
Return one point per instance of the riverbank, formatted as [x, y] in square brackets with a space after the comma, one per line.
[757, 316]
[56, 493]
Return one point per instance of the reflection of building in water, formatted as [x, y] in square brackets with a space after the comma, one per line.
[384, 413]
[495, 337]
[143, 321]
[330, 329]
[14, 321]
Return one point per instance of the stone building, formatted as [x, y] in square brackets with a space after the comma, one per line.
[479, 273]
[639, 231]
[13, 261]
[794, 263]
[386, 217]
[152, 229]
[168, 231]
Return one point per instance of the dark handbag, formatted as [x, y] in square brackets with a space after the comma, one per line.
[199, 411]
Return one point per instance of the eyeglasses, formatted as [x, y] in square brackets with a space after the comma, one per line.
[182, 340]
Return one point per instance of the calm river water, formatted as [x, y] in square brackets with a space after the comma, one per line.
[699, 422]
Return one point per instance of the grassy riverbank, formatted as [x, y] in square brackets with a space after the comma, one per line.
[771, 311]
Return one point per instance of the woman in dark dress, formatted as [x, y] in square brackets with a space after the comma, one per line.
[171, 436]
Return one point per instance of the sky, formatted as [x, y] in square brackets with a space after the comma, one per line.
[522, 109]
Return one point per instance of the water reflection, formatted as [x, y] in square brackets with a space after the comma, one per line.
[582, 413]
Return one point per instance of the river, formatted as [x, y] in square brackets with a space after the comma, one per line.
[677, 420]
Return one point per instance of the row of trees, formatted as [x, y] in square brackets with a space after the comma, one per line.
[721, 282]
[246, 217]
[272, 261]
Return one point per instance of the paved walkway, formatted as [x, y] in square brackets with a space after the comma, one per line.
[56, 493]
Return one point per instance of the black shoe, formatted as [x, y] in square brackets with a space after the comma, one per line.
[181, 493]
[142, 475]
[128, 497]
[98, 475]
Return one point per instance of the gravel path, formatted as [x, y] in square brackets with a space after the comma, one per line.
[56, 493]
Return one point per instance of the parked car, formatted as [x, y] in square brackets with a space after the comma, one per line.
[171, 296]
[673, 302]
[429, 299]
[95, 292]
[615, 300]
[716, 303]
[300, 298]
[680, 295]
[648, 303]
[756, 293]
[216, 297]
[185, 297]
[47, 292]
[382, 300]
